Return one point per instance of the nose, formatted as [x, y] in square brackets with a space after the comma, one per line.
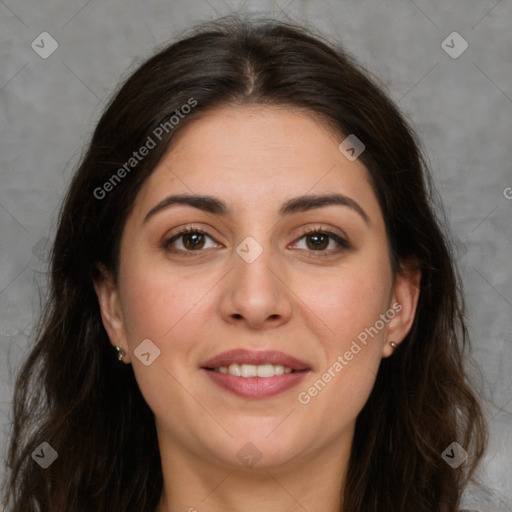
[256, 293]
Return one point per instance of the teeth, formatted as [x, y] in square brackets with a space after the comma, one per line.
[252, 370]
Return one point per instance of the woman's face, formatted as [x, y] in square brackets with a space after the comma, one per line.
[296, 283]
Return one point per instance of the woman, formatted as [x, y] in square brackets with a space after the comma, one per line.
[253, 305]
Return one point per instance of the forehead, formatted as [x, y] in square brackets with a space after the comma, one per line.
[254, 156]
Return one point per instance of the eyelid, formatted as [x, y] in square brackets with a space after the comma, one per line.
[328, 231]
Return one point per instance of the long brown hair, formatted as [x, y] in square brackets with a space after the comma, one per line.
[73, 394]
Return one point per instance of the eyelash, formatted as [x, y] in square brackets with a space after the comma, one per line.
[342, 242]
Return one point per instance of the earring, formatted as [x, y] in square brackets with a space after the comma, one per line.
[393, 345]
[120, 353]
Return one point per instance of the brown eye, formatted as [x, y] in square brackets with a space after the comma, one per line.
[188, 241]
[193, 241]
[317, 241]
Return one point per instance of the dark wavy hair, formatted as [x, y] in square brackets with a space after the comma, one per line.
[73, 393]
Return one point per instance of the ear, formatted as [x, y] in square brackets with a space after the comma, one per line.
[110, 307]
[406, 292]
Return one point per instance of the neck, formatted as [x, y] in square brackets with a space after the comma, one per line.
[309, 482]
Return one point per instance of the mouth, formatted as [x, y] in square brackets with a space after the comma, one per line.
[251, 370]
[253, 374]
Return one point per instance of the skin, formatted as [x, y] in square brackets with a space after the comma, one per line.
[291, 299]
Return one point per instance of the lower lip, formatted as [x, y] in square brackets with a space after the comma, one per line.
[256, 387]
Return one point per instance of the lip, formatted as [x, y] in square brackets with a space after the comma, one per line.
[242, 356]
[256, 387]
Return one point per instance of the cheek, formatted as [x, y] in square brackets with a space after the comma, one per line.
[157, 301]
[351, 303]
[168, 309]
[348, 301]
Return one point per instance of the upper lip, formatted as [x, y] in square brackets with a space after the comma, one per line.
[242, 356]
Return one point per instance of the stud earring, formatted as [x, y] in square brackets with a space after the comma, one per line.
[393, 344]
[120, 353]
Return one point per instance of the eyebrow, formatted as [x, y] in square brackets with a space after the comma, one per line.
[216, 206]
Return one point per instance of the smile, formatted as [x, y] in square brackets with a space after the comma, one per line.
[252, 370]
[241, 381]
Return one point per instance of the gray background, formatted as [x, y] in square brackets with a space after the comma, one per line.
[461, 108]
